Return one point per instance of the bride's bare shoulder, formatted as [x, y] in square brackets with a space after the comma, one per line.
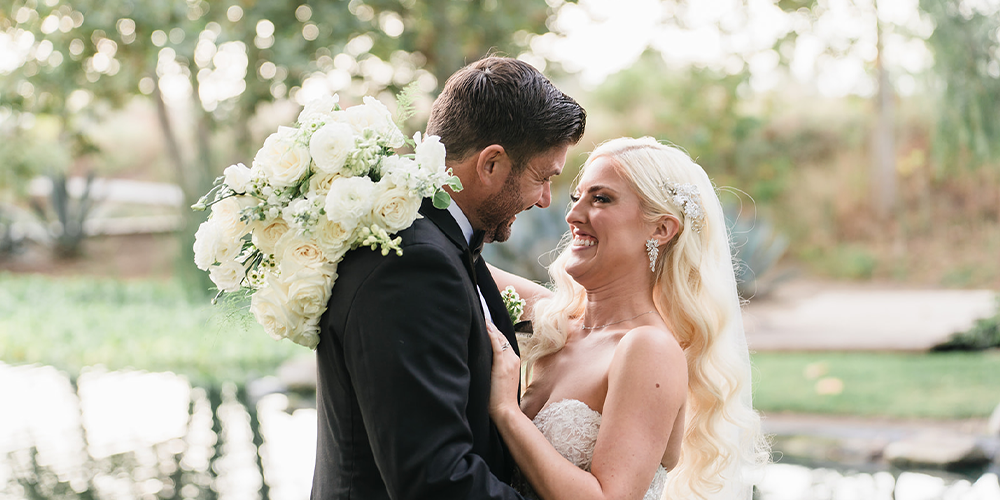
[649, 348]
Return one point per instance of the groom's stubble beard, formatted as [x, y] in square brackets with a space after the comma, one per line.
[497, 213]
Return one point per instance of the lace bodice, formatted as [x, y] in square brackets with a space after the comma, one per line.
[571, 426]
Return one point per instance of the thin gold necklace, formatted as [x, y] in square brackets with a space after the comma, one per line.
[616, 322]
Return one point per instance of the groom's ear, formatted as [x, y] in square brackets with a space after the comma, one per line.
[493, 166]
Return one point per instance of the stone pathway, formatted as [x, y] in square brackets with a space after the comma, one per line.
[810, 316]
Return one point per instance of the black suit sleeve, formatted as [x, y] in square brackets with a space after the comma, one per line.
[406, 346]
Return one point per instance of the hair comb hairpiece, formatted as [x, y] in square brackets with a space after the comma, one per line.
[688, 199]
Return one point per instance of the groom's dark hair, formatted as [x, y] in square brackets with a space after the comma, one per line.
[499, 100]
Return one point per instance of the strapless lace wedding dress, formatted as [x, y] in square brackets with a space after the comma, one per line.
[571, 426]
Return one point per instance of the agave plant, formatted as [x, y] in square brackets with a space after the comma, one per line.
[68, 232]
[756, 249]
[11, 240]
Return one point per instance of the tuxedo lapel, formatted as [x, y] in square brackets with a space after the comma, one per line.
[446, 223]
[477, 269]
[494, 301]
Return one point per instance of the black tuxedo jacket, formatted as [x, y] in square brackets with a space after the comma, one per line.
[404, 364]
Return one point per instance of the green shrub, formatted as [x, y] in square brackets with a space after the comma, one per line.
[985, 334]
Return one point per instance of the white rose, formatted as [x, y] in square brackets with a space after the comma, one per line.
[307, 333]
[296, 252]
[211, 245]
[228, 213]
[237, 177]
[375, 116]
[205, 241]
[269, 306]
[228, 275]
[329, 147]
[319, 184]
[309, 291]
[395, 207]
[282, 159]
[319, 109]
[430, 154]
[350, 200]
[267, 233]
[333, 237]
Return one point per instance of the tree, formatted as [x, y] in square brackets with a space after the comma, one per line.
[966, 47]
[82, 57]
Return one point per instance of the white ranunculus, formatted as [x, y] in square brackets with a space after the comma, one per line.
[228, 275]
[375, 116]
[267, 234]
[282, 159]
[318, 110]
[329, 147]
[395, 208]
[269, 306]
[319, 184]
[400, 171]
[430, 154]
[309, 290]
[211, 245]
[237, 177]
[350, 200]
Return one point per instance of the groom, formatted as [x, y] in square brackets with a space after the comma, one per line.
[404, 358]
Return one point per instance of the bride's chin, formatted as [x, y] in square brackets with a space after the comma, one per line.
[574, 268]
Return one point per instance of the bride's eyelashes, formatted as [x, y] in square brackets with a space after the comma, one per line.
[599, 198]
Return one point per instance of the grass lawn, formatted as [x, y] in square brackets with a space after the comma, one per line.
[907, 385]
[149, 325]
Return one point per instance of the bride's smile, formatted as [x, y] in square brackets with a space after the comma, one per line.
[608, 229]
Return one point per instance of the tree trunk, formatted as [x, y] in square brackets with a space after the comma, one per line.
[884, 147]
[173, 146]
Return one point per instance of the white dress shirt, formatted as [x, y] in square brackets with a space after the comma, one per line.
[466, 226]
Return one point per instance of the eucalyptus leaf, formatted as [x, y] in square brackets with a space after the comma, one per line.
[442, 200]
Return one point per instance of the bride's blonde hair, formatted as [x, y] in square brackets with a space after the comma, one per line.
[695, 294]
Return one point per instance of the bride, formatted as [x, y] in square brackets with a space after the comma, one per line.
[637, 368]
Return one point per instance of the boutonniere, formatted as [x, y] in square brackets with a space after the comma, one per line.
[514, 303]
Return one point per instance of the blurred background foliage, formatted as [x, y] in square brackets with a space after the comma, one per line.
[870, 184]
[896, 178]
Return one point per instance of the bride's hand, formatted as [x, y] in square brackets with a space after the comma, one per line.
[505, 376]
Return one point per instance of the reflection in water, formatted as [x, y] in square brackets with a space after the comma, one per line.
[151, 435]
[796, 482]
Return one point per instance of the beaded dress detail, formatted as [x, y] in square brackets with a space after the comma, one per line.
[571, 426]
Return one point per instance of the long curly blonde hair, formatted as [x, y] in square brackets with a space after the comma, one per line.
[695, 294]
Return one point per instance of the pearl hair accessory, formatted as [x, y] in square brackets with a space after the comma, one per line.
[653, 252]
[688, 199]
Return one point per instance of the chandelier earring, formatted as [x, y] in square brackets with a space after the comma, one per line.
[653, 251]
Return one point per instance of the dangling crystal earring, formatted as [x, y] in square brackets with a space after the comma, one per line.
[653, 252]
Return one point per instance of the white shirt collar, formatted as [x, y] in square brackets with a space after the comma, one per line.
[463, 221]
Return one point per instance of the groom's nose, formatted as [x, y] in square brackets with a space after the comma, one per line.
[546, 199]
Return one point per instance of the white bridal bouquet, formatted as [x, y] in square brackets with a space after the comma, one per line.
[330, 184]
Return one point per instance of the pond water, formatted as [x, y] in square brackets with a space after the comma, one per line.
[124, 435]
